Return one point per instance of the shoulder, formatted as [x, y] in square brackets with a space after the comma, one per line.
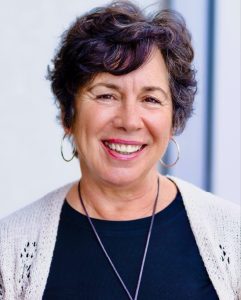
[191, 192]
[24, 219]
[210, 212]
[27, 237]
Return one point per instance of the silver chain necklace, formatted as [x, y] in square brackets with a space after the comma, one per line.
[106, 254]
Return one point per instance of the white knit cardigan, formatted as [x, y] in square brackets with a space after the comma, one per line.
[28, 236]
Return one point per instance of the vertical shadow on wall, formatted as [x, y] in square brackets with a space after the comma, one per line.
[210, 94]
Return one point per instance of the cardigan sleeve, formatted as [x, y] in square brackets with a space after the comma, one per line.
[27, 239]
[1, 287]
[2, 290]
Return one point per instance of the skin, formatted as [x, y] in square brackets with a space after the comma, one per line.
[133, 107]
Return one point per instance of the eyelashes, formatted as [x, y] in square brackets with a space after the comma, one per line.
[105, 97]
[153, 100]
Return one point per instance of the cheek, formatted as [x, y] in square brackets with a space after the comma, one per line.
[161, 126]
[162, 135]
[92, 121]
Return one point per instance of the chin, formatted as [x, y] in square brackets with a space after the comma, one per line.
[123, 177]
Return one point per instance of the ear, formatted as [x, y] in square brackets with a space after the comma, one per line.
[67, 131]
[172, 133]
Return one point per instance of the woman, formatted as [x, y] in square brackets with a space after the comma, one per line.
[125, 85]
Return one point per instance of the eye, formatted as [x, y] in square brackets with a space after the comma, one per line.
[105, 97]
[153, 101]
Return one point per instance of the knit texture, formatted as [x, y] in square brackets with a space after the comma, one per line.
[28, 236]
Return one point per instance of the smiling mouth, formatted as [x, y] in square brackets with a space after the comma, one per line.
[124, 149]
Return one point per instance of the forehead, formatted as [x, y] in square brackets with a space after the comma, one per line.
[152, 72]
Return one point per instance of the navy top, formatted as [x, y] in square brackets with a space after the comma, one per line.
[173, 269]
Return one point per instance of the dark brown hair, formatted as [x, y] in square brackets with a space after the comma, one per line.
[118, 38]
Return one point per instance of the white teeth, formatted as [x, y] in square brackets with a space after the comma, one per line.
[128, 148]
[118, 147]
[124, 149]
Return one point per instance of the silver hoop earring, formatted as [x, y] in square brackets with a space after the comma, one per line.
[178, 155]
[61, 149]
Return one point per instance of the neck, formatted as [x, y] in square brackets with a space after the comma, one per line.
[135, 201]
[103, 201]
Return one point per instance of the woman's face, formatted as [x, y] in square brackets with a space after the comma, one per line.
[123, 123]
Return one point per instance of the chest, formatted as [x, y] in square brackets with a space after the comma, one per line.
[173, 267]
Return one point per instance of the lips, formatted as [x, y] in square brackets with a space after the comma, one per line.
[123, 149]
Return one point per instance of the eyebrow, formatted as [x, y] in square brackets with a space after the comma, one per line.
[116, 87]
[108, 85]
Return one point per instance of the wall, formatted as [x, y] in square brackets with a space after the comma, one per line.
[226, 150]
[210, 146]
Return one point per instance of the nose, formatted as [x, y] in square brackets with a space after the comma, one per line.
[128, 117]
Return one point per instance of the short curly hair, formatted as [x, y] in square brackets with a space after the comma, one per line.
[118, 38]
